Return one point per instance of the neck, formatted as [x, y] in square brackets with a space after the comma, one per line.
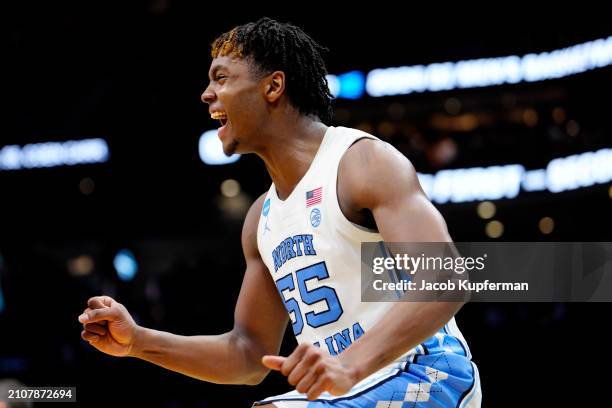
[292, 147]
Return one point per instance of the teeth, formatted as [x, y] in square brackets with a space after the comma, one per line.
[218, 115]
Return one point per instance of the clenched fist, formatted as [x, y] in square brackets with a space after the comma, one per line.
[108, 326]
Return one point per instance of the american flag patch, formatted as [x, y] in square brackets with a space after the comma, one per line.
[313, 197]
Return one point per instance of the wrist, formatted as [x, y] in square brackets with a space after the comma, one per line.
[135, 347]
[355, 367]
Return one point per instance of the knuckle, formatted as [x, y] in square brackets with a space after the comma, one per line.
[301, 386]
[293, 378]
[315, 354]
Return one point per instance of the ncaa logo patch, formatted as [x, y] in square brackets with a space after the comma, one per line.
[266, 208]
[315, 217]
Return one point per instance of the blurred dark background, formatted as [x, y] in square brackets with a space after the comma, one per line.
[133, 74]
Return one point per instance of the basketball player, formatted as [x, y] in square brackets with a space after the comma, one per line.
[333, 188]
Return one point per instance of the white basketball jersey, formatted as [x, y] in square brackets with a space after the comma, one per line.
[313, 253]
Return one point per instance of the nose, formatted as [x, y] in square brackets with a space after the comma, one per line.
[208, 96]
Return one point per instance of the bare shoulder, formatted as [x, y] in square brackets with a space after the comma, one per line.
[375, 176]
[372, 169]
[249, 228]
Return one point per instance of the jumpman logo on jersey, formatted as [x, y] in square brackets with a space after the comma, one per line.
[266, 228]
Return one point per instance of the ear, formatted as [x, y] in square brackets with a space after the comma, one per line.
[274, 86]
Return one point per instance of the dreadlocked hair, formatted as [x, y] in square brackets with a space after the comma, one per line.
[275, 46]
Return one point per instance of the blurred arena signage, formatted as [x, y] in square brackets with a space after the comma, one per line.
[498, 182]
[53, 154]
[474, 73]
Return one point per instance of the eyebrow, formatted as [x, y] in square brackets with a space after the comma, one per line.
[215, 69]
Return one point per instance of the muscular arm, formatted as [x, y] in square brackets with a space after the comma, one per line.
[234, 357]
[375, 181]
[374, 176]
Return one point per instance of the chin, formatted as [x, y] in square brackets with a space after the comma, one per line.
[230, 148]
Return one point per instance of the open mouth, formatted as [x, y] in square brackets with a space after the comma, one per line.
[220, 116]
